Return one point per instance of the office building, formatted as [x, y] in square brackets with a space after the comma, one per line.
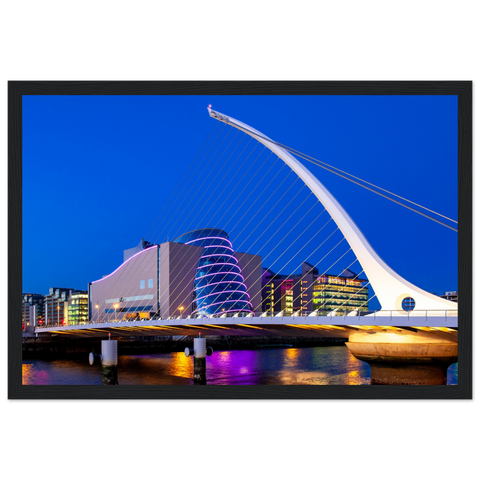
[77, 308]
[56, 303]
[453, 296]
[308, 291]
[65, 306]
[32, 310]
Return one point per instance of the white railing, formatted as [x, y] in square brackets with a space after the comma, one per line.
[275, 316]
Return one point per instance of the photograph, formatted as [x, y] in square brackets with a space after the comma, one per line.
[204, 236]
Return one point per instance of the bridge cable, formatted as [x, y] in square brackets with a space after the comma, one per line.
[278, 186]
[272, 208]
[195, 209]
[265, 188]
[388, 198]
[263, 258]
[219, 293]
[284, 237]
[247, 197]
[140, 264]
[184, 176]
[321, 164]
[318, 162]
[203, 147]
[266, 229]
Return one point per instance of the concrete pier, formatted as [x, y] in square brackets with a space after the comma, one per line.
[406, 357]
[199, 352]
[109, 361]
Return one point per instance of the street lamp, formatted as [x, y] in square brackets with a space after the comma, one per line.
[116, 306]
[96, 306]
[181, 310]
[58, 314]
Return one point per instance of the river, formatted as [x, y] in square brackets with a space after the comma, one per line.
[278, 366]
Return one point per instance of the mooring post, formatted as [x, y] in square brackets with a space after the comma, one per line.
[199, 352]
[109, 360]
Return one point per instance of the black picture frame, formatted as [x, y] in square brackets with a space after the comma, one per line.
[16, 91]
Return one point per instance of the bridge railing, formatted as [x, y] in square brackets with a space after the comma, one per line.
[245, 316]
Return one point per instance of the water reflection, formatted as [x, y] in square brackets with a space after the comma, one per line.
[58, 372]
[181, 366]
[291, 356]
[283, 366]
[162, 369]
[287, 366]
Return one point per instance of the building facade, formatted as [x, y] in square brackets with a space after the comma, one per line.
[130, 291]
[32, 310]
[65, 306]
[453, 296]
[219, 286]
[197, 274]
[56, 304]
[77, 309]
[309, 291]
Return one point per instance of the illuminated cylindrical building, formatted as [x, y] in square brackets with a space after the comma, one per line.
[219, 286]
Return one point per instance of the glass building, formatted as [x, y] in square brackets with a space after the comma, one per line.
[307, 292]
[342, 293]
[219, 286]
[77, 312]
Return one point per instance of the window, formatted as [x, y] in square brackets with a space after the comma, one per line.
[142, 284]
[150, 283]
[408, 303]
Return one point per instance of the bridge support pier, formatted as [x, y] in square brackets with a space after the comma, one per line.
[405, 357]
[109, 360]
[200, 352]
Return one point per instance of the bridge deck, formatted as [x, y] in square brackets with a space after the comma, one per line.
[339, 326]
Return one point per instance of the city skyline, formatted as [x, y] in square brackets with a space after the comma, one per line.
[90, 164]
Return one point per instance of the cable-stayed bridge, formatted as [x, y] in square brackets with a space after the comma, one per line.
[427, 319]
[441, 324]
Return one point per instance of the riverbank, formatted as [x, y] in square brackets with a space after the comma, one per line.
[64, 348]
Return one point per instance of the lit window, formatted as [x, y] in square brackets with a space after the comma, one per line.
[150, 283]
[142, 284]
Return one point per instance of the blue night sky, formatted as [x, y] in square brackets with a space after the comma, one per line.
[98, 172]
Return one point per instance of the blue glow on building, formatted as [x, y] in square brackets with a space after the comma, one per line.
[219, 285]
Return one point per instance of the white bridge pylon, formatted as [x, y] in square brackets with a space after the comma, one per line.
[390, 288]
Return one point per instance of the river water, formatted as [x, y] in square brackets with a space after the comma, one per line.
[279, 366]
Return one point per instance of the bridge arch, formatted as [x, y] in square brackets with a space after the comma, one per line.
[389, 286]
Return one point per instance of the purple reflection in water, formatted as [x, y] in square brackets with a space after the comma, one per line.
[286, 366]
[225, 366]
[275, 366]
